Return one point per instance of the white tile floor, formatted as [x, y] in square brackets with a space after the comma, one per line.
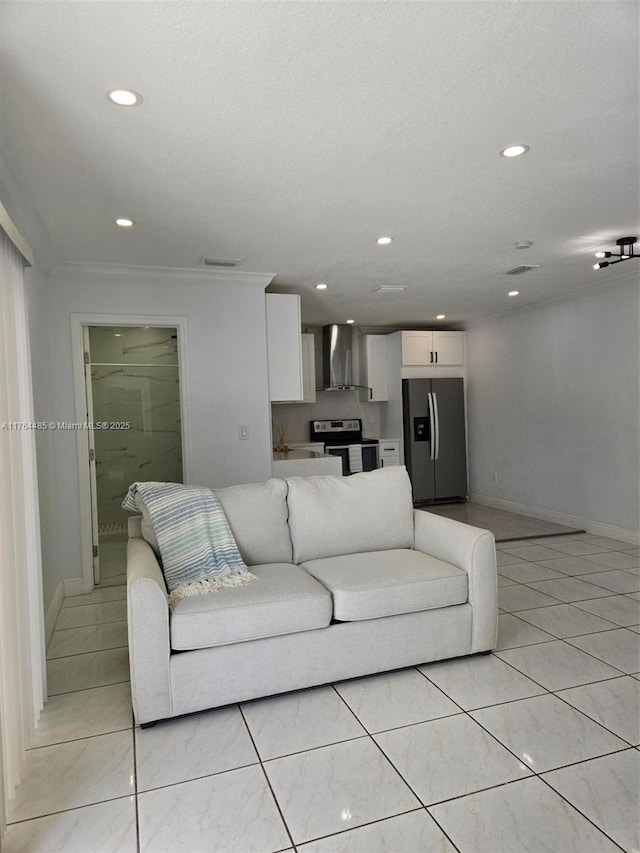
[505, 526]
[533, 748]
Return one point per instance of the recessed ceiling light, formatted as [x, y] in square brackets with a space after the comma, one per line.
[514, 150]
[390, 288]
[350, 321]
[440, 316]
[124, 223]
[321, 286]
[513, 293]
[524, 244]
[384, 241]
[124, 97]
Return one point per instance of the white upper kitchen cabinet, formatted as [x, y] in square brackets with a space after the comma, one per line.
[432, 349]
[374, 368]
[284, 347]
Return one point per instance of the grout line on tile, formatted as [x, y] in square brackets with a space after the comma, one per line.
[92, 651]
[76, 627]
[539, 773]
[509, 701]
[369, 823]
[405, 725]
[575, 808]
[585, 714]
[548, 630]
[77, 739]
[364, 735]
[519, 671]
[90, 624]
[560, 640]
[591, 655]
[415, 794]
[72, 809]
[487, 787]
[197, 778]
[266, 777]
[92, 687]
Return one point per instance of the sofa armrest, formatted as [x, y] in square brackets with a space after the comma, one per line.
[149, 639]
[472, 549]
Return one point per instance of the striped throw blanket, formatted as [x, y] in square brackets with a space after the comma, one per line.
[198, 551]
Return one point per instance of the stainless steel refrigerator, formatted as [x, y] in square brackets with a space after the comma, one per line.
[434, 438]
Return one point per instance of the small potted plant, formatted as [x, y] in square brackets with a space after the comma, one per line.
[281, 437]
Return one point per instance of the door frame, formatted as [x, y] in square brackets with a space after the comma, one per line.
[78, 323]
[91, 443]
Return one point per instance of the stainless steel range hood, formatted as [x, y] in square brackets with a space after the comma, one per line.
[337, 359]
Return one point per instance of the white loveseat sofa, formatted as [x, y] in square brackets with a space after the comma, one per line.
[351, 581]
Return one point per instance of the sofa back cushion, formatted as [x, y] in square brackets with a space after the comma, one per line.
[329, 516]
[257, 515]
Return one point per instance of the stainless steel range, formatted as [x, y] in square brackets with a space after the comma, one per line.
[344, 439]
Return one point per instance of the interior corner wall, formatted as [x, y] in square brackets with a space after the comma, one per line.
[553, 407]
[226, 373]
[35, 290]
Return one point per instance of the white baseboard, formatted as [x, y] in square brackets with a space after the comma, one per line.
[53, 611]
[596, 527]
[65, 589]
[612, 532]
[73, 586]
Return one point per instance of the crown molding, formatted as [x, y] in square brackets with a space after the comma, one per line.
[28, 234]
[602, 284]
[161, 275]
[13, 233]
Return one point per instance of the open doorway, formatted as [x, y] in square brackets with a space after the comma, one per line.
[132, 380]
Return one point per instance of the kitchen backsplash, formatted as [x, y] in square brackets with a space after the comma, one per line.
[336, 405]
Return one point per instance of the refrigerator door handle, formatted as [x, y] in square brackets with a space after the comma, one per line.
[437, 425]
[432, 423]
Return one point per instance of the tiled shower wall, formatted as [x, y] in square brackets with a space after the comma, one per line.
[135, 381]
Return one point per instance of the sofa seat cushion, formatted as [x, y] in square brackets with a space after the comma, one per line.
[387, 583]
[283, 600]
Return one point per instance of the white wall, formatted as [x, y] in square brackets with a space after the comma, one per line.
[225, 365]
[339, 405]
[553, 407]
[35, 289]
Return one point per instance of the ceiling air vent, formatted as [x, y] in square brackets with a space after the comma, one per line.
[522, 268]
[222, 262]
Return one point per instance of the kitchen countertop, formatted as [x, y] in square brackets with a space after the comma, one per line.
[304, 463]
[298, 454]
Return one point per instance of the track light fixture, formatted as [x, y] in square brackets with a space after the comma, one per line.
[625, 253]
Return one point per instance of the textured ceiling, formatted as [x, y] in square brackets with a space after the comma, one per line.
[292, 134]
